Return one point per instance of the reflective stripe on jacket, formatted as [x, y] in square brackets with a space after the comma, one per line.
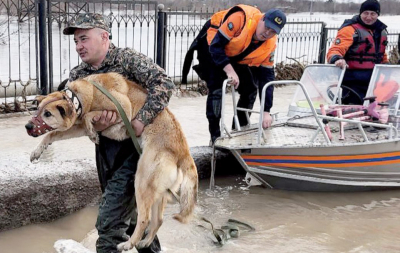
[263, 55]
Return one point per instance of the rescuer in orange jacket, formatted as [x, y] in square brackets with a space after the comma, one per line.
[359, 45]
[239, 44]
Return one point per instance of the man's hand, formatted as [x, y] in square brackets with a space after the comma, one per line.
[341, 63]
[267, 120]
[103, 121]
[230, 72]
[138, 126]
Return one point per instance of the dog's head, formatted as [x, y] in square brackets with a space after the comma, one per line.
[55, 112]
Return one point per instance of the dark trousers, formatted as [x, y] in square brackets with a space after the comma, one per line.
[355, 86]
[116, 165]
[247, 90]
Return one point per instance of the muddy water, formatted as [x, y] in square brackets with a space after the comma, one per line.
[294, 222]
[40, 238]
[284, 221]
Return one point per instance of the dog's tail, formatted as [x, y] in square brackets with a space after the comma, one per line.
[188, 190]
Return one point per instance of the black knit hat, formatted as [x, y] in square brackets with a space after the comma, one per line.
[371, 5]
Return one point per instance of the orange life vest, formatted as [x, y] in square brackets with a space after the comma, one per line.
[239, 43]
[362, 54]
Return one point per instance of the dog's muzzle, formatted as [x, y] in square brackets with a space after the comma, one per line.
[37, 127]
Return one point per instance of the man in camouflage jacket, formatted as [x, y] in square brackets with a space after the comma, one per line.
[117, 160]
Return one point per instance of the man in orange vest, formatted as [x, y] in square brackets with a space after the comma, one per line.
[238, 43]
[359, 45]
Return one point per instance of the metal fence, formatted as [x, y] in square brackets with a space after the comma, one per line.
[306, 42]
[133, 24]
[29, 55]
[18, 54]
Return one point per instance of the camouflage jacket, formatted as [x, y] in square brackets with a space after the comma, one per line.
[138, 68]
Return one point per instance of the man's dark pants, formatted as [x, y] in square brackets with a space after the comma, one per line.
[357, 82]
[116, 166]
[247, 90]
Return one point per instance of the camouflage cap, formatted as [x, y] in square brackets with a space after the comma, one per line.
[87, 21]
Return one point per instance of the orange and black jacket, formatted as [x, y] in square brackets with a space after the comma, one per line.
[362, 47]
[231, 38]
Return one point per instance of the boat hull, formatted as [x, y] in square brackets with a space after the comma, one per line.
[359, 167]
[286, 182]
[320, 145]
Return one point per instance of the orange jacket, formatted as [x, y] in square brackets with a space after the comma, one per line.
[238, 24]
[347, 46]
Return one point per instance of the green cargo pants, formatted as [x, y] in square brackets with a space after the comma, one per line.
[116, 166]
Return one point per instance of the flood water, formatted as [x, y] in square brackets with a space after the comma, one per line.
[284, 221]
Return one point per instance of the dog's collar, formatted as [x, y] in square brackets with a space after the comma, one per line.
[73, 101]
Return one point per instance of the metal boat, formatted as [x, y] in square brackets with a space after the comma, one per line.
[315, 148]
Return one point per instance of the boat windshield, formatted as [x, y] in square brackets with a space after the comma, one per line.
[322, 83]
[384, 85]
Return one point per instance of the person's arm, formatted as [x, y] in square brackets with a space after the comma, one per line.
[341, 44]
[266, 74]
[232, 27]
[229, 29]
[217, 50]
[385, 59]
[153, 78]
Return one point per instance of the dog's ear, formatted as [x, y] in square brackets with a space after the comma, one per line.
[38, 99]
[64, 111]
[61, 110]
[62, 85]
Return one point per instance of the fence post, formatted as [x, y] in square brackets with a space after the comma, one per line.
[398, 44]
[323, 43]
[50, 34]
[161, 32]
[42, 48]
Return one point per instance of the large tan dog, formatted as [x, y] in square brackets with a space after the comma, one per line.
[164, 165]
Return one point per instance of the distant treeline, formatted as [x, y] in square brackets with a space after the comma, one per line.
[388, 7]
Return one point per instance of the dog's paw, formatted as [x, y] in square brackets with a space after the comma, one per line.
[125, 246]
[35, 155]
[143, 244]
[92, 133]
[94, 138]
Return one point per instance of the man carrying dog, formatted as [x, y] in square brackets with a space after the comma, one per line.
[359, 45]
[238, 43]
[117, 161]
